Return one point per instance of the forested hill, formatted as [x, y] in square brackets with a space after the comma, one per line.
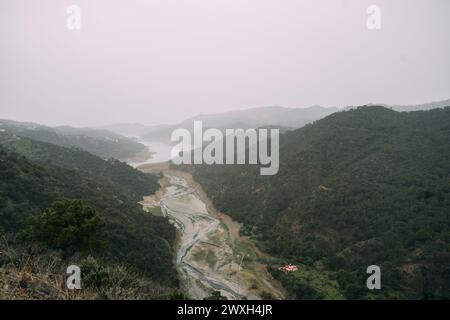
[126, 179]
[361, 187]
[35, 175]
[102, 143]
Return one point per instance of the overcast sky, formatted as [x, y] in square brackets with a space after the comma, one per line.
[157, 61]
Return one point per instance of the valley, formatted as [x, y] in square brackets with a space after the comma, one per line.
[211, 256]
[342, 180]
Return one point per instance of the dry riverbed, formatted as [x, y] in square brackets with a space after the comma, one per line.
[211, 256]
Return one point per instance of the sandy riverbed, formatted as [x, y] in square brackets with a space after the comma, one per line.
[211, 256]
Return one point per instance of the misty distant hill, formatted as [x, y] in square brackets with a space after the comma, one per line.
[274, 116]
[425, 106]
[281, 117]
[132, 129]
[407, 108]
[258, 117]
[103, 143]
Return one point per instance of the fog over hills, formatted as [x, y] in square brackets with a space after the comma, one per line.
[277, 116]
[212, 150]
[425, 106]
[407, 108]
[131, 129]
[103, 143]
[110, 140]
[257, 117]
[250, 118]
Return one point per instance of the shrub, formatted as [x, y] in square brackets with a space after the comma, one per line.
[68, 225]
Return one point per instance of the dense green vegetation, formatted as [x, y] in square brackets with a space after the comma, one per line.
[309, 284]
[35, 176]
[68, 225]
[130, 182]
[102, 143]
[362, 187]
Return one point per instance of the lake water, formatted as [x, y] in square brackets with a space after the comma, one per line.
[160, 152]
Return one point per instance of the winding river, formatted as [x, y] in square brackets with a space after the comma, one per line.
[196, 225]
[211, 257]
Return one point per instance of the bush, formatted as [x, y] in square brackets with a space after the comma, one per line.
[68, 225]
[119, 282]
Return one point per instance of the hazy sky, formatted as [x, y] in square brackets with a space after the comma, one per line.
[154, 61]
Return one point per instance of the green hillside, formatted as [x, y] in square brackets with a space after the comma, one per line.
[362, 187]
[102, 143]
[34, 175]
